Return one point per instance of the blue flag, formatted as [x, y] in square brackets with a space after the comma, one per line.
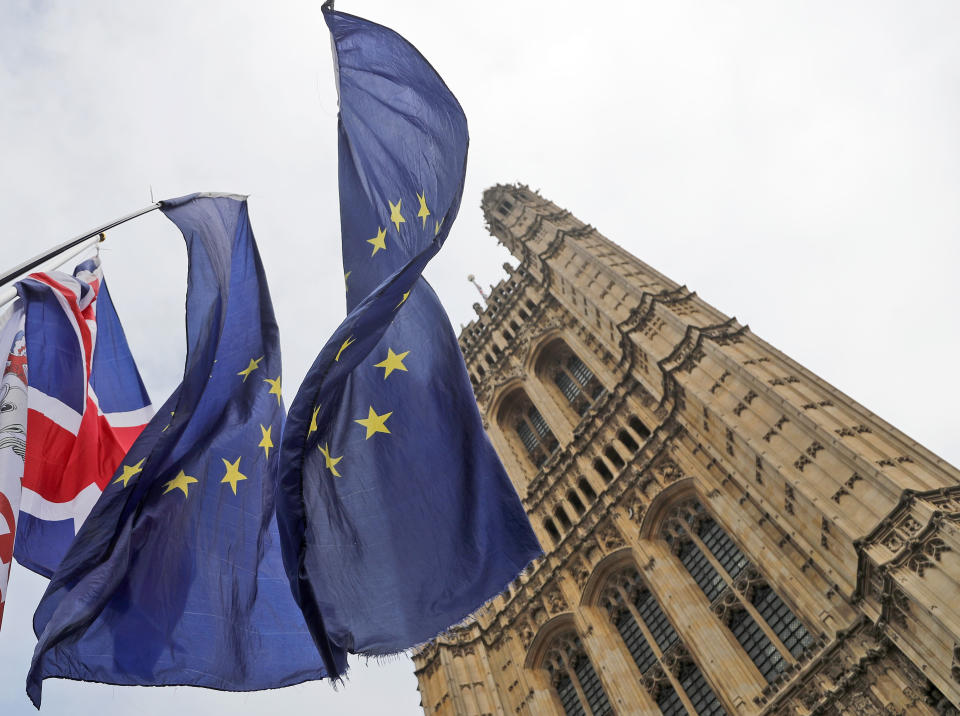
[176, 576]
[396, 516]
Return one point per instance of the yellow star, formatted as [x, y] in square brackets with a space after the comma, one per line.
[392, 362]
[313, 421]
[129, 472]
[438, 224]
[180, 482]
[374, 423]
[266, 443]
[233, 474]
[331, 462]
[395, 216]
[346, 343]
[346, 280]
[274, 387]
[378, 241]
[402, 300]
[424, 211]
[168, 424]
[254, 364]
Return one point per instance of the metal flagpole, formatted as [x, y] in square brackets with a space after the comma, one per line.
[59, 255]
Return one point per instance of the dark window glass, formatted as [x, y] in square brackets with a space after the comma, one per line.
[527, 436]
[782, 620]
[628, 442]
[562, 518]
[551, 529]
[567, 386]
[637, 645]
[723, 548]
[539, 424]
[705, 702]
[656, 621]
[669, 703]
[579, 370]
[758, 646]
[701, 570]
[639, 428]
[568, 696]
[586, 489]
[601, 467]
[614, 457]
[592, 688]
[574, 500]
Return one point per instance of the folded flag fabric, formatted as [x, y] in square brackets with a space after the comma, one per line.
[13, 434]
[176, 577]
[74, 342]
[397, 517]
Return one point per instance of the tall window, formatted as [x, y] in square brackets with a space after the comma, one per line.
[655, 646]
[573, 379]
[520, 416]
[575, 680]
[693, 534]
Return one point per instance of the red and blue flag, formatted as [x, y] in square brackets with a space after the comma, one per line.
[86, 404]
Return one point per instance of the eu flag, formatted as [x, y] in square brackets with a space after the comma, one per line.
[176, 576]
[396, 515]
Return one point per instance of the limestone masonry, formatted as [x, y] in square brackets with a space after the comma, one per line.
[724, 532]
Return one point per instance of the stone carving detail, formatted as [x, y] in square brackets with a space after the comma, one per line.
[899, 607]
[838, 494]
[580, 572]
[955, 666]
[554, 601]
[900, 533]
[609, 537]
[668, 471]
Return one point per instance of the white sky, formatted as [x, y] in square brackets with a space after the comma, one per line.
[796, 163]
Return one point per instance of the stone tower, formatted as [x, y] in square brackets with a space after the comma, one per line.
[724, 532]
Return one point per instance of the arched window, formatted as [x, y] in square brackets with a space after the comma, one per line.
[586, 489]
[552, 530]
[577, 384]
[628, 442]
[692, 533]
[520, 416]
[575, 500]
[601, 467]
[575, 680]
[639, 428]
[614, 457]
[655, 646]
[562, 518]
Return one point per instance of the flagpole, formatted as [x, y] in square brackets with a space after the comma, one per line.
[59, 255]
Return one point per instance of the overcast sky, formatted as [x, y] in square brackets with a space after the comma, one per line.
[795, 163]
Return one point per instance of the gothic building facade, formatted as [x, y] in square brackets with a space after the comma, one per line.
[724, 532]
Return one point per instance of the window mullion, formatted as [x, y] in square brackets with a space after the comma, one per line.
[572, 675]
[751, 610]
[767, 629]
[644, 629]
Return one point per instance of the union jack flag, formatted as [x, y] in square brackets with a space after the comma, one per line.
[86, 404]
